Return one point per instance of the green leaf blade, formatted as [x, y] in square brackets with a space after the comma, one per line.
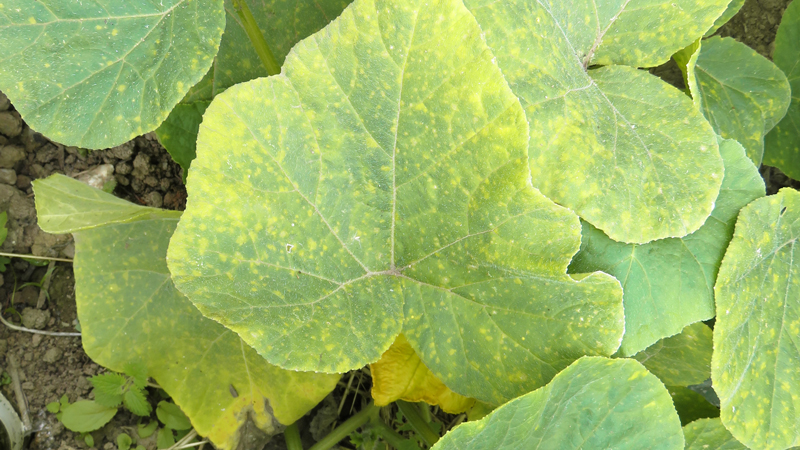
[350, 193]
[84, 416]
[114, 91]
[755, 367]
[709, 433]
[782, 144]
[655, 305]
[680, 360]
[147, 321]
[607, 143]
[594, 403]
[742, 94]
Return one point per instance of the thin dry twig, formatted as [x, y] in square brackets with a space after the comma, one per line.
[22, 402]
[43, 258]
[30, 330]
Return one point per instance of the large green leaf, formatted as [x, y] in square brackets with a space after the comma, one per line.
[131, 313]
[97, 73]
[782, 144]
[378, 185]
[680, 360]
[283, 23]
[709, 434]
[756, 362]
[595, 403]
[668, 284]
[623, 149]
[741, 93]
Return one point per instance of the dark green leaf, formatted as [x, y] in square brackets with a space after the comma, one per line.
[690, 405]
[108, 388]
[172, 417]
[782, 144]
[680, 360]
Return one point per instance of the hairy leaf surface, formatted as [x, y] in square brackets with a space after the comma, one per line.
[401, 375]
[756, 363]
[379, 184]
[624, 150]
[594, 403]
[97, 73]
[709, 433]
[131, 313]
[283, 23]
[668, 284]
[742, 94]
[680, 360]
[782, 144]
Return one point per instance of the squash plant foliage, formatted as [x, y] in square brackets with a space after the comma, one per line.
[485, 200]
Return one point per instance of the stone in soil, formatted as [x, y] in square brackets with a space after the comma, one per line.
[35, 318]
[10, 155]
[8, 176]
[10, 124]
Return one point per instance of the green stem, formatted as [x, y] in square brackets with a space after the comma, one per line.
[392, 437]
[254, 33]
[344, 430]
[418, 423]
[292, 436]
[43, 258]
[424, 411]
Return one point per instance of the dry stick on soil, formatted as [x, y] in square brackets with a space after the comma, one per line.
[22, 402]
[45, 285]
[30, 330]
[43, 258]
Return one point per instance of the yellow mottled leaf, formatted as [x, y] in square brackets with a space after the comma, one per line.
[401, 375]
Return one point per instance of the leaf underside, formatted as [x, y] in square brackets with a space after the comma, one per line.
[624, 150]
[668, 284]
[680, 360]
[132, 314]
[782, 144]
[380, 185]
[756, 363]
[594, 403]
[97, 73]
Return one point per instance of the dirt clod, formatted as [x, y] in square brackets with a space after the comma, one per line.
[8, 176]
[35, 318]
[10, 123]
[10, 155]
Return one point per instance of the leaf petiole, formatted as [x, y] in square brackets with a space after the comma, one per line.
[256, 37]
[344, 430]
[418, 423]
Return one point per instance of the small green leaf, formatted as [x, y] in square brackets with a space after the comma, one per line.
[138, 373]
[782, 144]
[668, 284]
[64, 401]
[53, 407]
[690, 405]
[108, 389]
[124, 441]
[165, 438]
[89, 440]
[136, 402]
[706, 434]
[152, 52]
[145, 431]
[624, 150]
[140, 447]
[756, 363]
[85, 415]
[680, 360]
[594, 403]
[3, 229]
[342, 211]
[172, 417]
[733, 7]
[178, 134]
[742, 94]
